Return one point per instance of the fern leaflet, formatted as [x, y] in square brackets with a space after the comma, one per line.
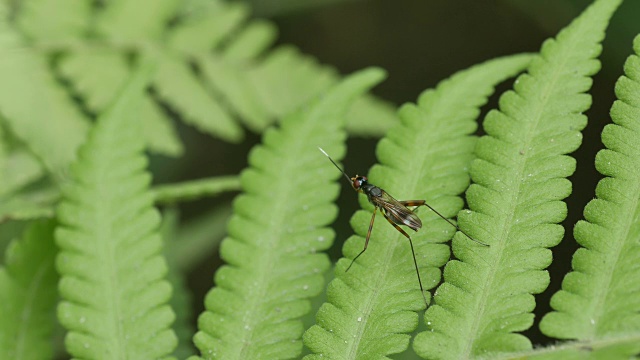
[426, 157]
[516, 199]
[195, 189]
[115, 298]
[98, 73]
[181, 298]
[28, 295]
[34, 106]
[279, 225]
[93, 56]
[599, 298]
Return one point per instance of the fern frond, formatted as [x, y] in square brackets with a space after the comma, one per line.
[28, 295]
[28, 205]
[181, 298]
[34, 106]
[39, 203]
[55, 21]
[599, 298]
[208, 34]
[114, 293]
[601, 348]
[279, 225]
[372, 307]
[195, 189]
[18, 168]
[97, 75]
[122, 22]
[199, 237]
[516, 199]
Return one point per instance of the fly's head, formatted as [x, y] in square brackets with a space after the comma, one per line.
[358, 181]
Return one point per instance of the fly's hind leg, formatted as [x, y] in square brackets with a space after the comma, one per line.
[415, 262]
[415, 203]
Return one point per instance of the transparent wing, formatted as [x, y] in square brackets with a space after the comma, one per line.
[397, 212]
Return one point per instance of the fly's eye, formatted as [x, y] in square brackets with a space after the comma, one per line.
[358, 181]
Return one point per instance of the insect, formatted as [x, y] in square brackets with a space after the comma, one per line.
[396, 212]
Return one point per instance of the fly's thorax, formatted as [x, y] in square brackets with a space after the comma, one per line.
[371, 190]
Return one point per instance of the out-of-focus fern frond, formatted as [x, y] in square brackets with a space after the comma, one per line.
[60, 22]
[372, 307]
[199, 237]
[278, 228]
[114, 293]
[181, 298]
[28, 295]
[34, 106]
[97, 74]
[600, 297]
[92, 46]
[520, 180]
[195, 189]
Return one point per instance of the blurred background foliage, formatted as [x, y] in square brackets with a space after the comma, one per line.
[419, 43]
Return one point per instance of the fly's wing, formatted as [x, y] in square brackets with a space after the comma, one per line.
[397, 212]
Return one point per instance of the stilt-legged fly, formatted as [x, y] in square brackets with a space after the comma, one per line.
[396, 212]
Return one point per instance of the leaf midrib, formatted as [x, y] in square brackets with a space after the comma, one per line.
[273, 238]
[31, 298]
[517, 187]
[394, 241]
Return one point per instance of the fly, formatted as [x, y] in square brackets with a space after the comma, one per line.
[396, 212]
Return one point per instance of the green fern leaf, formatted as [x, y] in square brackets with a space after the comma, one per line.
[250, 41]
[114, 296]
[122, 23]
[210, 23]
[599, 298]
[27, 205]
[18, 168]
[181, 298]
[34, 107]
[177, 33]
[603, 348]
[372, 306]
[28, 295]
[39, 202]
[199, 237]
[180, 88]
[278, 227]
[195, 189]
[54, 21]
[516, 199]
[98, 74]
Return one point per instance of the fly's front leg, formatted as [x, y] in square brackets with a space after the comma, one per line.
[366, 241]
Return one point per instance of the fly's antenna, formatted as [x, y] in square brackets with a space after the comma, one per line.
[456, 226]
[336, 165]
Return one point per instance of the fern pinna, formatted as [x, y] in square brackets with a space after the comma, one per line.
[216, 70]
[519, 181]
[28, 294]
[112, 271]
[370, 307]
[598, 303]
[279, 224]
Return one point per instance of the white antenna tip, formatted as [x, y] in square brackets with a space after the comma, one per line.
[319, 148]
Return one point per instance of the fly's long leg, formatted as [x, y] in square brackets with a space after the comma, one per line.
[413, 252]
[366, 242]
[422, 202]
[413, 202]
